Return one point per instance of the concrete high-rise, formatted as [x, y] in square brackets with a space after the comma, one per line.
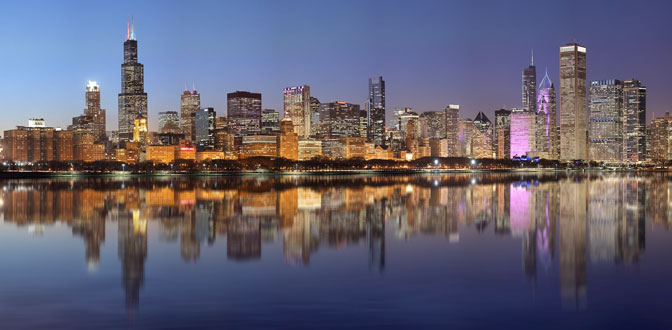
[606, 102]
[189, 103]
[244, 112]
[94, 111]
[339, 119]
[573, 144]
[204, 124]
[502, 133]
[530, 87]
[169, 122]
[633, 121]
[659, 138]
[297, 109]
[132, 99]
[546, 139]
[452, 117]
[376, 110]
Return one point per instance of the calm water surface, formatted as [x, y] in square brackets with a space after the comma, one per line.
[316, 252]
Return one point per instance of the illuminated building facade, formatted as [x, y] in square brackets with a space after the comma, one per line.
[190, 101]
[660, 138]
[434, 124]
[288, 140]
[376, 111]
[169, 122]
[452, 117]
[502, 133]
[482, 137]
[309, 149]
[634, 121]
[132, 99]
[606, 105]
[205, 128]
[259, 146]
[297, 108]
[573, 133]
[244, 112]
[161, 154]
[523, 132]
[94, 111]
[270, 121]
[546, 139]
[339, 119]
[140, 131]
[465, 130]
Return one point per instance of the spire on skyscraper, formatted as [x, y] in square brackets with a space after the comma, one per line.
[546, 81]
[532, 61]
[130, 30]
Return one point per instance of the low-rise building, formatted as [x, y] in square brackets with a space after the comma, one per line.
[161, 154]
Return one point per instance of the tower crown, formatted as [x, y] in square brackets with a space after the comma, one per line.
[130, 30]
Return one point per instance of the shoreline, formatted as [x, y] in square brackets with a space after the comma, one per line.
[38, 174]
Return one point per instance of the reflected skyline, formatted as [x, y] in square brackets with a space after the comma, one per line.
[564, 222]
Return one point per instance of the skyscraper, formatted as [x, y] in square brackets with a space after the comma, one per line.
[132, 99]
[94, 111]
[244, 112]
[297, 108]
[605, 120]
[189, 103]
[169, 122]
[573, 102]
[204, 124]
[523, 132]
[482, 137]
[502, 133]
[270, 121]
[547, 139]
[633, 121]
[530, 87]
[452, 117]
[376, 115]
[339, 119]
[659, 138]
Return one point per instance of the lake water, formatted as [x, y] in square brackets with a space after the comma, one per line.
[543, 251]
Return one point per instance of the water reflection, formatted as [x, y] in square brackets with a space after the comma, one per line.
[561, 219]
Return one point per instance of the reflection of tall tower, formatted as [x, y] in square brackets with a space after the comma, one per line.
[132, 250]
[375, 233]
[243, 240]
[93, 233]
[631, 241]
[572, 243]
[132, 99]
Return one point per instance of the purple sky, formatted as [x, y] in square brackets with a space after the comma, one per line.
[431, 53]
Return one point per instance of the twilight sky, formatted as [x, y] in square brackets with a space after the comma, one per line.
[431, 53]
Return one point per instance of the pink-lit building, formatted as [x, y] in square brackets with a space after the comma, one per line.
[523, 131]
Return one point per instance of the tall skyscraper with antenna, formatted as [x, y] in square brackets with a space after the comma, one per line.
[132, 99]
[530, 87]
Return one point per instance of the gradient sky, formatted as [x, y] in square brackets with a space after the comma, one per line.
[431, 53]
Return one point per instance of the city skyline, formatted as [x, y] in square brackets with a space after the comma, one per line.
[426, 81]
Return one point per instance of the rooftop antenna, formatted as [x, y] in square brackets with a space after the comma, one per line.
[193, 86]
[132, 29]
[532, 62]
[186, 89]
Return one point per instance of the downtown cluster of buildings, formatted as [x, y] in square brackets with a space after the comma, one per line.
[602, 121]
